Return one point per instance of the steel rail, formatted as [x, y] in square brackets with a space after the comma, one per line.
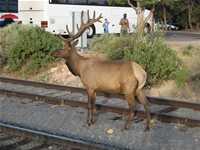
[56, 139]
[104, 108]
[153, 100]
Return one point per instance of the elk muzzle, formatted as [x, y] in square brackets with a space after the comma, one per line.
[54, 54]
[61, 53]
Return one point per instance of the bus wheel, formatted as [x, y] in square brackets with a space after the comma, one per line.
[7, 21]
[91, 31]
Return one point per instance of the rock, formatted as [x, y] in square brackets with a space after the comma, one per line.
[69, 74]
[110, 131]
[53, 70]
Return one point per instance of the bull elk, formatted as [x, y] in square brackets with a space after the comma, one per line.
[101, 75]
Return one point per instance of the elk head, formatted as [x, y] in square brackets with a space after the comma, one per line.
[69, 46]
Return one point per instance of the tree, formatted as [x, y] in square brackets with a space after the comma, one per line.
[140, 9]
[168, 6]
[159, 10]
[190, 4]
[182, 18]
[196, 14]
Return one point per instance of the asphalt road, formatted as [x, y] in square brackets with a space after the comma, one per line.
[181, 36]
[176, 36]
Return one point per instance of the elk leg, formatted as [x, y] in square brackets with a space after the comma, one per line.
[91, 98]
[140, 95]
[93, 105]
[131, 102]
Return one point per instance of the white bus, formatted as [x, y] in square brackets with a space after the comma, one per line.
[8, 12]
[54, 15]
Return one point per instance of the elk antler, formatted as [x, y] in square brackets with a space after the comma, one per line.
[82, 28]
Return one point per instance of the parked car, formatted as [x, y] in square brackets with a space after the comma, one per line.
[174, 26]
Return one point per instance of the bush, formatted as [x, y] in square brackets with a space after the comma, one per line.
[6, 37]
[180, 77]
[190, 47]
[187, 53]
[29, 48]
[150, 51]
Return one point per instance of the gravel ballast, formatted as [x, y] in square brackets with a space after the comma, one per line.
[70, 122]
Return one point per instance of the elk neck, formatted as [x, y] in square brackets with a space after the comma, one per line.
[74, 62]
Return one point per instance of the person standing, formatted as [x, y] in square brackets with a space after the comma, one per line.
[105, 25]
[124, 25]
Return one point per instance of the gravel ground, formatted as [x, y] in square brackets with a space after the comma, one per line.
[26, 143]
[69, 122]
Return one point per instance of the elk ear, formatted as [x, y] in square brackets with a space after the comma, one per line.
[76, 42]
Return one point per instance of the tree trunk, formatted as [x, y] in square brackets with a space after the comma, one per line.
[197, 26]
[190, 6]
[140, 16]
[162, 25]
[170, 23]
[152, 24]
[164, 15]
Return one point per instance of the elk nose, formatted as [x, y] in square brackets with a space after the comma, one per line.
[53, 54]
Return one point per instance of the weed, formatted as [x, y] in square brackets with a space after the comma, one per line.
[178, 111]
[188, 53]
[190, 46]
[180, 77]
[42, 78]
[62, 102]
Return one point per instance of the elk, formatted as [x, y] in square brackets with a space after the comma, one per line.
[98, 74]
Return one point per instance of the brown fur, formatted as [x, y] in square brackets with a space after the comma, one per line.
[108, 76]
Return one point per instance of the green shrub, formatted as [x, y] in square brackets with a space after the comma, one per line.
[29, 48]
[186, 52]
[190, 46]
[6, 37]
[180, 77]
[150, 51]
[107, 42]
[42, 78]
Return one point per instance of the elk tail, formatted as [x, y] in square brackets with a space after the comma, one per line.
[140, 75]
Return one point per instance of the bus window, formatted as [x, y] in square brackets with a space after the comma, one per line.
[97, 2]
[77, 2]
[12, 6]
[2, 5]
[59, 1]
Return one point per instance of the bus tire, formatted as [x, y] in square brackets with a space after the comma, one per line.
[91, 31]
[7, 21]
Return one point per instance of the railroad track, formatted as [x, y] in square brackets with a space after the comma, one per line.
[14, 137]
[164, 110]
[65, 95]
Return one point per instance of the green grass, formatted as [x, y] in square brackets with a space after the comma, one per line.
[42, 78]
[190, 46]
[187, 53]
[181, 77]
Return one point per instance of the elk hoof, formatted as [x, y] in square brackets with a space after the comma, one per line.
[147, 128]
[88, 124]
[93, 121]
[123, 129]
